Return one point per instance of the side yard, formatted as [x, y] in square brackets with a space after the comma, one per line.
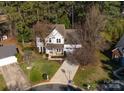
[93, 73]
[2, 83]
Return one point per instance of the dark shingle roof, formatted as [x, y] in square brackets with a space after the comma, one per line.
[7, 51]
[60, 28]
[71, 36]
[57, 46]
[121, 42]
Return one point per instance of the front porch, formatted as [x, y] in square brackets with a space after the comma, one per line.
[54, 55]
[55, 51]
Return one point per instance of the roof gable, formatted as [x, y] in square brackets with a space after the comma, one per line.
[55, 32]
[70, 35]
[60, 28]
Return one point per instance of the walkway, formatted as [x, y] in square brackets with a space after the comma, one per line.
[14, 77]
[66, 72]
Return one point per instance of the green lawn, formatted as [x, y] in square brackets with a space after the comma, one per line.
[40, 66]
[91, 74]
[2, 84]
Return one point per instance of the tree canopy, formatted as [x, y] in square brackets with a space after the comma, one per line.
[23, 15]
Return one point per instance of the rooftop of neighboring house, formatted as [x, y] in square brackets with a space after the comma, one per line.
[7, 51]
[120, 45]
[120, 42]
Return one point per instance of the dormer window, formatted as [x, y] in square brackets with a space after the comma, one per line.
[50, 40]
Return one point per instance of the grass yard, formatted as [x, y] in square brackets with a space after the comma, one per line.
[2, 84]
[91, 74]
[40, 66]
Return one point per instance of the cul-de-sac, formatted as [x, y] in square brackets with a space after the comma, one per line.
[61, 46]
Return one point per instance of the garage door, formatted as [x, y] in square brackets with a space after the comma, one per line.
[8, 60]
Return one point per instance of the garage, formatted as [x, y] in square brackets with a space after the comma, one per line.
[13, 75]
[7, 55]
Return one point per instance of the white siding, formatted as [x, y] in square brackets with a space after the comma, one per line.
[54, 35]
[71, 47]
[39, 44]
[48, 51]
[8, 60]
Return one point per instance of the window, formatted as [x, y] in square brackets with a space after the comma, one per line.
[116, 56]
[58, 50]
[58, 40]
[40, 40]
[50, 40]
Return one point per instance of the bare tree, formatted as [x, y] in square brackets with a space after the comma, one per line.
[41, 29]
[88, 36]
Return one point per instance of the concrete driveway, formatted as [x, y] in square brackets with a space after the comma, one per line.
[66, 72]
[14, 77]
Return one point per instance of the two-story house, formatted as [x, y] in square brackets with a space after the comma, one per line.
[55, 41]
[59, 41]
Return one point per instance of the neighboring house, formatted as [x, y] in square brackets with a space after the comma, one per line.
[4, 37]
[118, 51]
[7, 55]
[59, 41]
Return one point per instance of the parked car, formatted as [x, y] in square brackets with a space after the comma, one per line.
[112, 86]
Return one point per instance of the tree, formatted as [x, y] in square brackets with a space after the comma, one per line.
[41, 29]
[64, 20]
[88, 33]
[4, 29]
[24, 33]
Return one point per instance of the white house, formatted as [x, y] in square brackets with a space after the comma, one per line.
[59, 41]
[54, 42]
[7, 55]
[4, 37]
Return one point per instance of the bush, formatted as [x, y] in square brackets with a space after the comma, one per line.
[19, 57]
[28, 48]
